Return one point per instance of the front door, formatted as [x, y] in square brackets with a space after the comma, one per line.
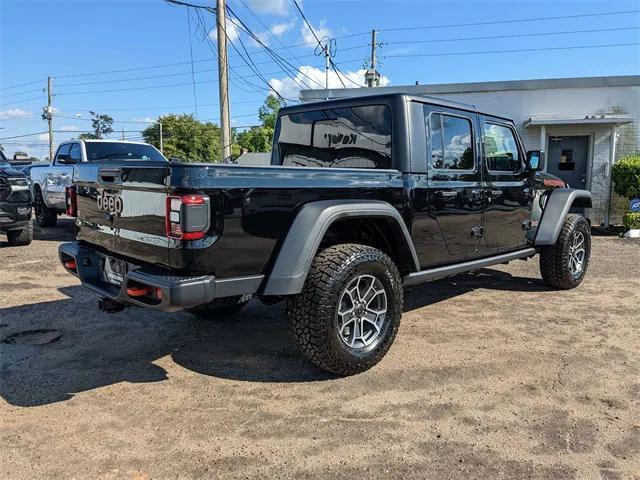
[507, 192]
[568, 158]
[59, 176]
[454, 179]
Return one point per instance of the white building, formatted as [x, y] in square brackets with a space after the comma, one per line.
[572, 120]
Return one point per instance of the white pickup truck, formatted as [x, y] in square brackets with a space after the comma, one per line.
[48, 182]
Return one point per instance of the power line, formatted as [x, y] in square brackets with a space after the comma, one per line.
[519, 20]
[23, 84]
[517, 50]
[193, 75]
[493, 37]
[21, 101]
[295, 2]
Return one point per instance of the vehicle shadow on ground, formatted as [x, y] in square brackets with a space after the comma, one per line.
[98, 349]
[486, 278]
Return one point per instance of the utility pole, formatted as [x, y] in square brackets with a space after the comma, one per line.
[48, 115]
[225, 121]
[372, 76]
[122, 133]
[161, 143]
[326, 65]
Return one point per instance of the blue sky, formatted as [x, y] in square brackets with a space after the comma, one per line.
[74, 40]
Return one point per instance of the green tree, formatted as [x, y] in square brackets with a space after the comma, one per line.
[268, 112]
[260, 138]
[102, 125]
[256, 139]
[186, 138]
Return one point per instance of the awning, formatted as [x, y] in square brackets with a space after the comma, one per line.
[587, 120]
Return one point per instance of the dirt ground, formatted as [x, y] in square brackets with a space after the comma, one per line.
[492, 375]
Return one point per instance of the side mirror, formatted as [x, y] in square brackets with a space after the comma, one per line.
[66, 160]
[534, 160]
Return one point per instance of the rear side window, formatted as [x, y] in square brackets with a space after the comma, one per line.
[354, 137]
[451, 142]
[501, 148]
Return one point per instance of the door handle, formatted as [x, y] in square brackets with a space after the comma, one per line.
[64, 174]
[495, 193]
[51, 174]
[448, 195]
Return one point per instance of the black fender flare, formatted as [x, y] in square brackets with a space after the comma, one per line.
[303, 239]
[555, 212]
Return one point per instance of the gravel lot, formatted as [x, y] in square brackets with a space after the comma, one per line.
[492, 375]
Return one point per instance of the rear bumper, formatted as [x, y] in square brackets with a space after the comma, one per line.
[14, 216]
[169, 292]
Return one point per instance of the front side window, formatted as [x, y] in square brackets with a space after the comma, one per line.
[62, 155]
[353, 137]
[451, 142]
[501, 148]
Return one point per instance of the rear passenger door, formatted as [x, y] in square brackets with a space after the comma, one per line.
[507, 192]
[454, 178]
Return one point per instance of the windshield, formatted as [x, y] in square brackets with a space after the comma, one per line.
[118, 150]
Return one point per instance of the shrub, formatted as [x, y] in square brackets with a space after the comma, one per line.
[626, 176]
[631, 221]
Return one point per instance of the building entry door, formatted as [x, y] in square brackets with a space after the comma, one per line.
[568, 159]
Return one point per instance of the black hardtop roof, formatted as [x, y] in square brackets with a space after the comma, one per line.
[385, 98]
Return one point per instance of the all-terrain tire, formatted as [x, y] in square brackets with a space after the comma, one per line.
[45, 216]
[20, 238]
[221, 308]
[556, 260]
[314, 311]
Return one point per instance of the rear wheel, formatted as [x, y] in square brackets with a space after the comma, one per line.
[348, 313]
[45, 216]
[221, 308]
[565, 264]
[20, 238]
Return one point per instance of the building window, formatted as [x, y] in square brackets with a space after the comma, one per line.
[451, 142]
[354, 137]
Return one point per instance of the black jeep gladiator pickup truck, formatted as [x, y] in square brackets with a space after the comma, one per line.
[363, 196]
[15, 205]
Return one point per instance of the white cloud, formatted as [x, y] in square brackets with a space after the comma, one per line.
[280, 28]
[274, 7]
[14, 114]
[315, 78]
[321, 31]
[68, 128]
[144, 119]
[43, 137]
[232, 31]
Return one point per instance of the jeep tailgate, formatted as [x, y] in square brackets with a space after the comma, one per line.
[122, 208]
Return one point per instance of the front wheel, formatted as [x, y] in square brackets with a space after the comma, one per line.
[565, 264]
[20, 238]
[348, 313]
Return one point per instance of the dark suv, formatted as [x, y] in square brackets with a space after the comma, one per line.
[363, 196]
[15, 204]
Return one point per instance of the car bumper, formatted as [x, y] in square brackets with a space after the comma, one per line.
[14, 216]
[167, 293]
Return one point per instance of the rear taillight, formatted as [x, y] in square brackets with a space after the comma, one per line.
[187, 216]
[71, 196]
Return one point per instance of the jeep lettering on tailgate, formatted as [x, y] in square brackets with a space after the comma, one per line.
[110, 203]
